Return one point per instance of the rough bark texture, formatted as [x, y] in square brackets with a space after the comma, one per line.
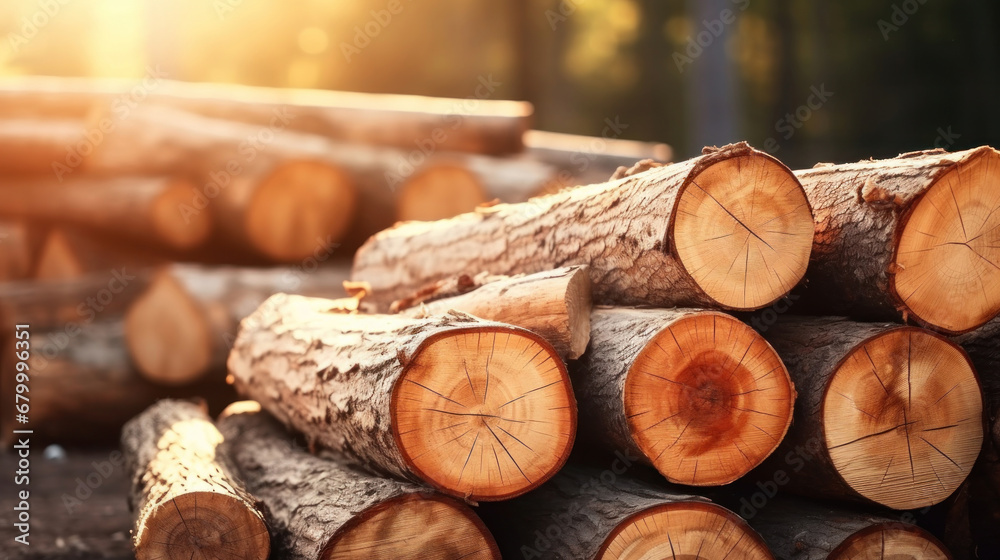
[571, 516]
[396, 120]
[138, 207]
[198, 308]
[860, 210]
[620, 229]
[796, 529]
[171, 453]
[983, 346]
[332, 376]
[311, 500]
[813, 349]
[83, 386]
[553, 304]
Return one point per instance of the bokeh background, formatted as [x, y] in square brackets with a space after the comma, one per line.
[904, 75]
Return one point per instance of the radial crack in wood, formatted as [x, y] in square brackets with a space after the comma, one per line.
[479, 410]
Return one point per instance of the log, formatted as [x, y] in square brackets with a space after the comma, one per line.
[185, 495]
[983, 346]
[675, 235]
[148, 208]
[403, 121]
[915, 237]
[553, 304]
[697, 394]
[57, 260]
[17, 257]
[587, 513]
[319, 508]
[414, 398]
[801, 530]
[198, 309]
[886, 413]
[52, 305]
[81, 370]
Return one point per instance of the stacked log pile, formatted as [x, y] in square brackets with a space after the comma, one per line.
[496, 372]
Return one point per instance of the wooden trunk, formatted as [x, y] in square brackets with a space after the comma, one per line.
[147, 208]
[800, 530]
[324, 509]
[885, 413]
[915, 237]
[405, 121]
[709, 231]
[414, 398]
[83, 386]
[186, 497]
[585, 514]
[697, 394]
[983, 346]
[553, 304]
[198, 309]
[19, 242]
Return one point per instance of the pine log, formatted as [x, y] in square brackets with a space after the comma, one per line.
[554, 304]
[18, 249]
[319, 508]
[698, 394]
[414, 398]
[583, 513]
[801, 530]
[983, 346]
[186, 497]
[460, 125]
[730, 228]
[198, 309]
[916, 237]
[57, 261]
[583, 160]
[137, 207]
[83, 386]
[885, 413]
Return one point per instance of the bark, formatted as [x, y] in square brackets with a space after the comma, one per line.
[553, 304]
[861, 210]
[489, 126]
[198, 308]
[729, 422]
[146, 208]
[834, 358]
[983, 346]
[800, 530]
[314, 504]
[335, 377]
[577, 514]
[622, 230]
[83, 386]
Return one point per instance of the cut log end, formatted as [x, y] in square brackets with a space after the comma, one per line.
[203, 525]
[743, 230]
[947, 261]
[708, 399]
[438, 192]
[902, 418]
[58, 260]
[413, 526]
[683, 530]
[484, 414]
[578, 307]
[891, 540]
[175, 222]
[167, 334]
[301, 208]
